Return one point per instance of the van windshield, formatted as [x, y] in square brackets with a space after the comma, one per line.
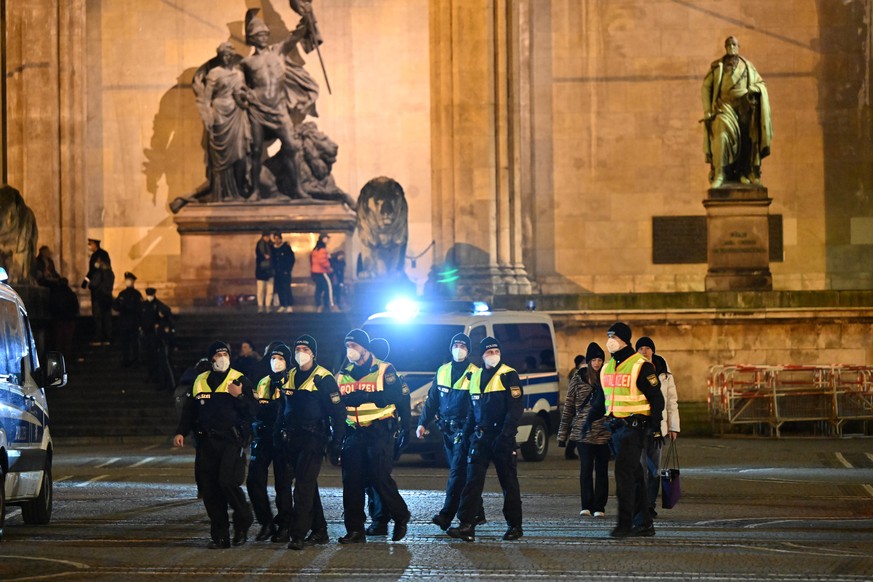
[416, 348]
[12, 342]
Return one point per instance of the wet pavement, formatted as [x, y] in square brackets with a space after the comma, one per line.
[752, 509]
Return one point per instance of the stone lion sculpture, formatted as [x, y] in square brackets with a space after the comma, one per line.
[18, 235]
[383, 228]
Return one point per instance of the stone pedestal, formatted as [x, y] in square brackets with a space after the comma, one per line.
[218, 242]
[738, 239]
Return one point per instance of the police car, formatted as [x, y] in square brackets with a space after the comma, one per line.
[419, 335]
[25, 440]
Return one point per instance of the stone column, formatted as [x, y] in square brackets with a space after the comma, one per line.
[45, 120]
[738, 239]
[476, 102]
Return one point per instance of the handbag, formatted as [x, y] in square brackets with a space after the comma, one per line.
[671, 485]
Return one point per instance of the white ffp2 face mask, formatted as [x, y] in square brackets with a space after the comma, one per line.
[277, 365]
[459, 354]
[353, 355]
[613, 345]
[302, 358]
[221, 364]
[491, 361]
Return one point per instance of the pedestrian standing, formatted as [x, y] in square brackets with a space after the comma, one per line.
[155, 315]
[101, 279]
[369, 388]
[128, 304]
[264, 272]
[222, 408]
[633, 404]
[578, 364]
[669, 421]
[313, 422]
[592, 438]
[283, 263]
[448, 402]
[263, 452]
[496, 406]
[338, 277]
[319, 265]
[248, 361]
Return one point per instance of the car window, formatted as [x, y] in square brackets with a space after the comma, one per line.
[31, 344]
[416, 348]
[527, 347]
[12, 342]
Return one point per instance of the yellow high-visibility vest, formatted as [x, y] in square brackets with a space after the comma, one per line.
[201, 389]
[494, 385]
[623, 398]
[444, 377]
[308, 384]
[367, 413]
[262, 392]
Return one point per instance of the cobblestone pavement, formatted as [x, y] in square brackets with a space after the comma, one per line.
[751, 510]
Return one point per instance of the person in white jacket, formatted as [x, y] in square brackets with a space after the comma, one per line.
[669, 419]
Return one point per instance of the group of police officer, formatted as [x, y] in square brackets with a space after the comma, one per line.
[299, 412]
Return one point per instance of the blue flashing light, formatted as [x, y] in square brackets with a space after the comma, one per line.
[480, 308]
[4, 276]
[403, 308]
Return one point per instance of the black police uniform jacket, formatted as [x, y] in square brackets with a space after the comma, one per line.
[313, 406]
[496, 413]
[446, 403]
[220, 413]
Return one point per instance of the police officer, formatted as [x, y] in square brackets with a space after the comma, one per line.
[497, 403]
[128, 304]
[380, 348]
[312, 417]
[633, 403]
[448, 400]
[222, 409]
[369, 388]
[264, 453]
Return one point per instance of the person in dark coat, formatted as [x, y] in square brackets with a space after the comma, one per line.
[283, 264]
[101, 279]
[64, 310]
[264, 272]
[128, 304]
[44, 268]
[154, 316]
[221, 409]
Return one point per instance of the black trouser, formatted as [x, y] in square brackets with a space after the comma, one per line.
[102, 313]
[323, 290]
[129, 332]
[263, 455]
[222, 470]
[456, 455]
[484, 449]
[368, 457]
[375, 507]
[630, 483]
[282, 287]
[593, 475]
[150, 353]
[303, 452]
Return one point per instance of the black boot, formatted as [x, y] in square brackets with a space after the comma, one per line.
[465, 532]
[377, 529]
[282, 536]
[295, 544]
[266, 532]
[513, 533]
[219, 544]
[353, 537]
[316, 539]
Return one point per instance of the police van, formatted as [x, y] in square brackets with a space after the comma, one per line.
[419, 335]
[25, 440]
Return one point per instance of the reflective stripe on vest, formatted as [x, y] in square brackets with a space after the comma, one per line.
[623, 398]
[308, 384]
[494, 385]
[201, 389]
[262, 392]
[444, 377]
[366, 413]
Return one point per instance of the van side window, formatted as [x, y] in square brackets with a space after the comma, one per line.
[12, 346]
[34, 359]
[527, 347]
[477, 334]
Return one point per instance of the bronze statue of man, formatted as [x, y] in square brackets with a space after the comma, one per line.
[737, 118]
[265, 98]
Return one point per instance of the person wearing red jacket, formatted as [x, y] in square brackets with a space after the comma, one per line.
[319, 263]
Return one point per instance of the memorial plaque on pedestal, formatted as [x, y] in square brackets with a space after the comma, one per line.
[738, 239]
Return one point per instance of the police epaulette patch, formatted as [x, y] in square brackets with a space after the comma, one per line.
[653, 380]
[405, 390]
[335, 397]
[515, 391]
[390, 378]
